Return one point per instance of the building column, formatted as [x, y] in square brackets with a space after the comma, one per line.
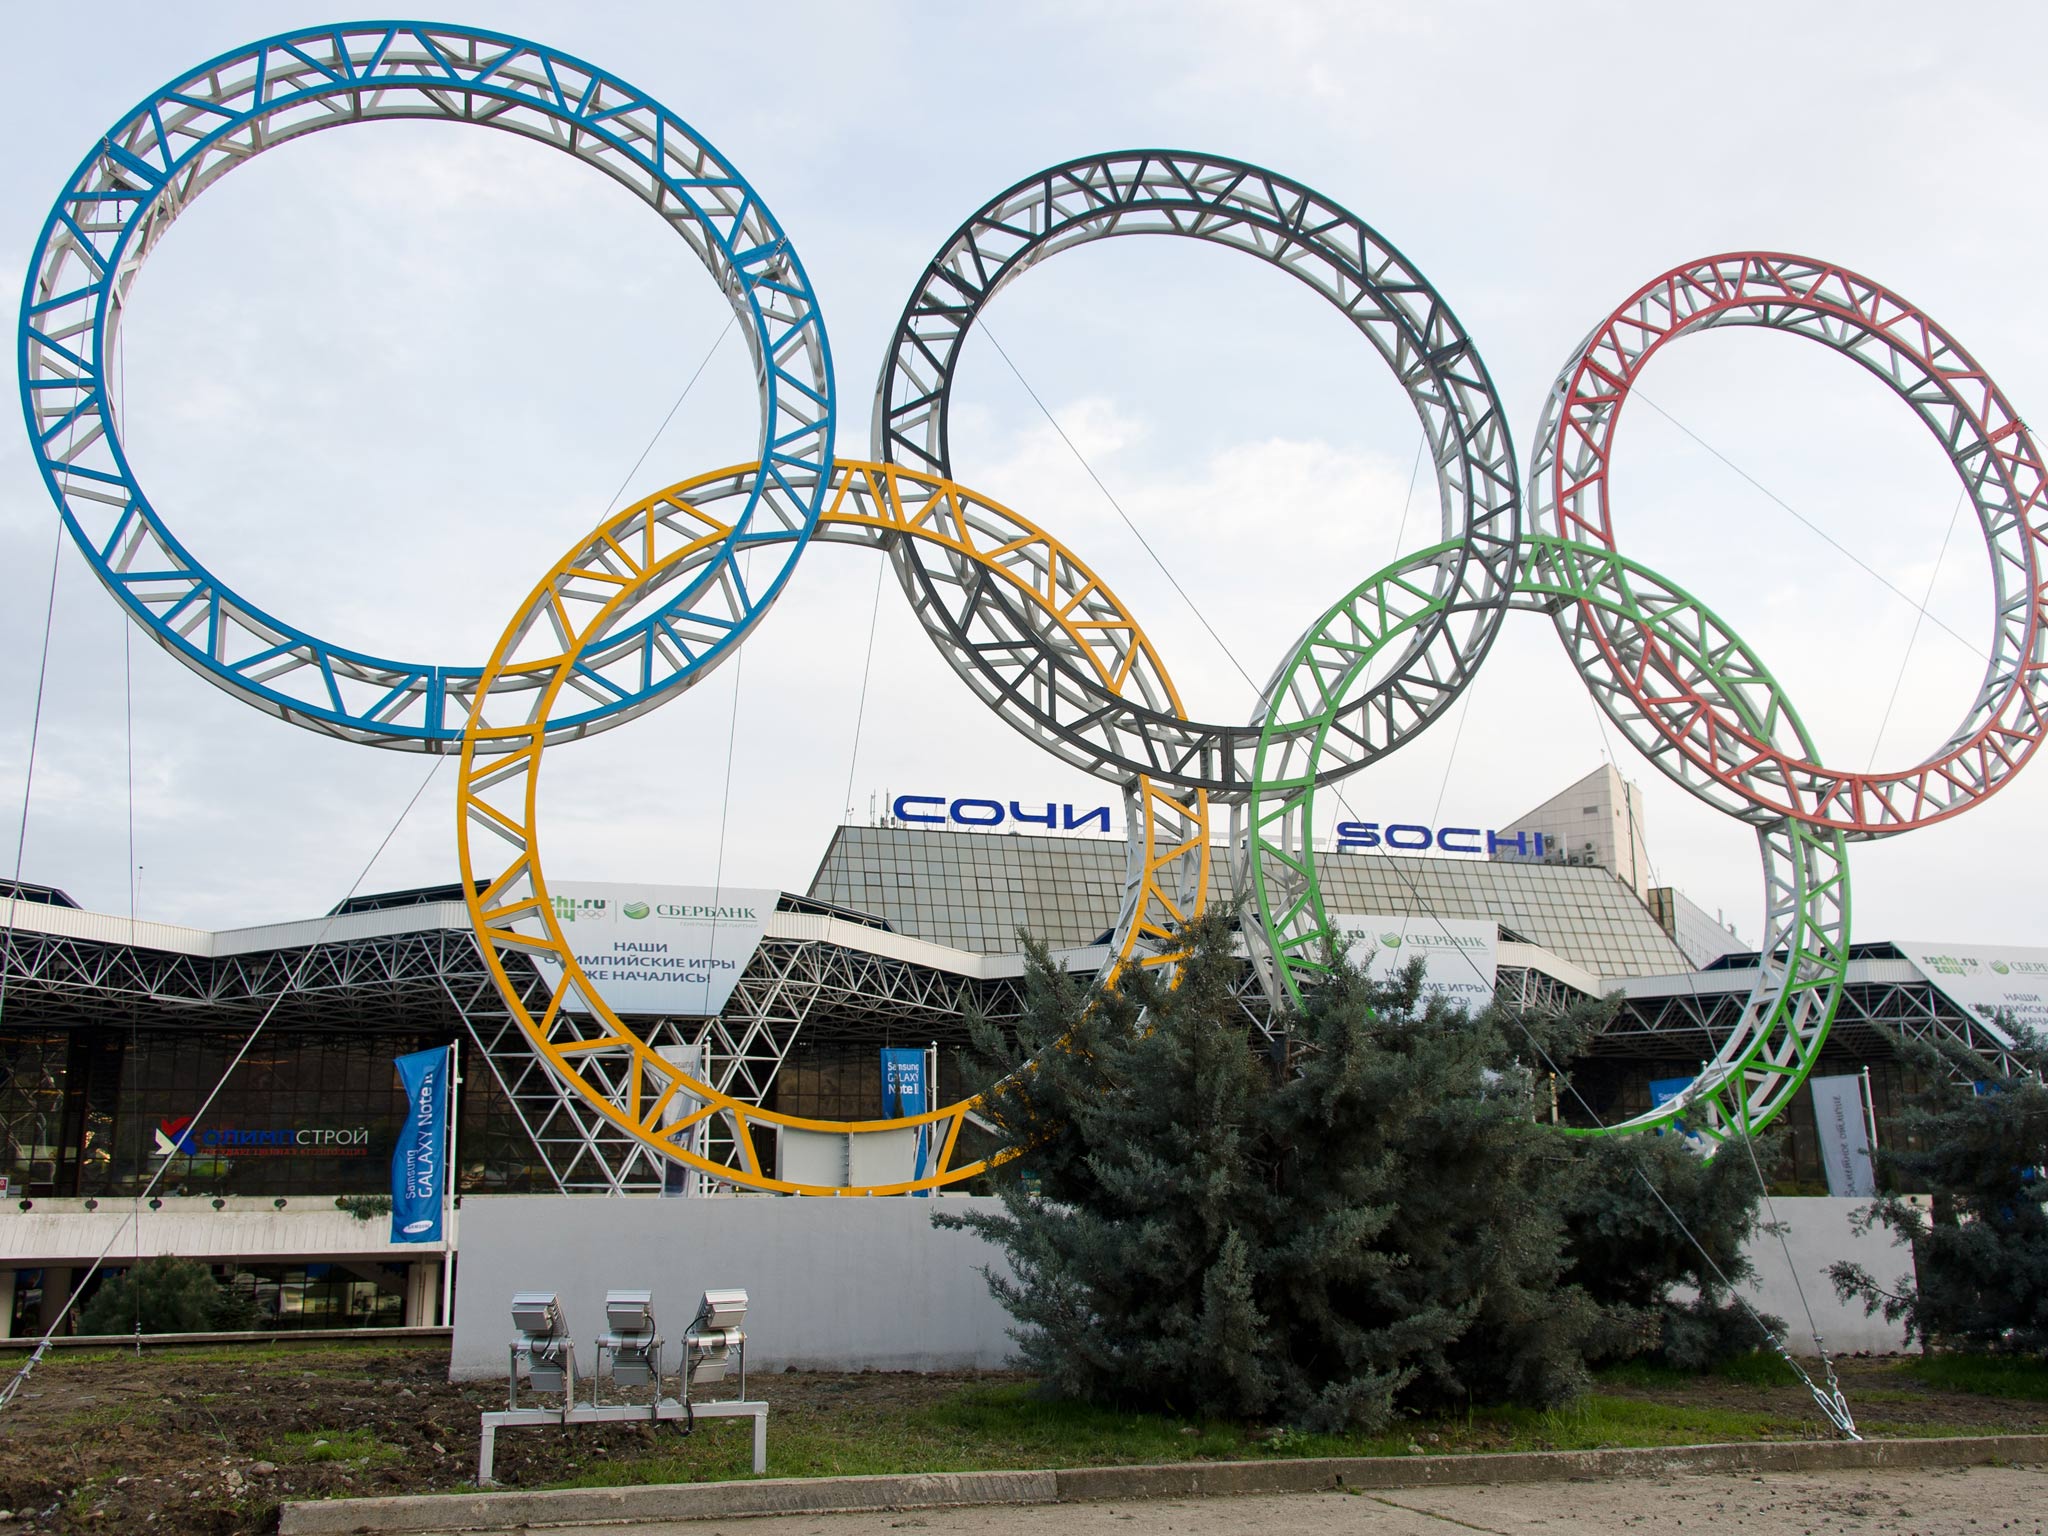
[422, 1293]
[7, 1303]
[56, 1291]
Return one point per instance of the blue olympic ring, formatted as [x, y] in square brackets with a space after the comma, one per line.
[177, 142]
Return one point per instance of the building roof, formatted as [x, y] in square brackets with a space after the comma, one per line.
[976, 891]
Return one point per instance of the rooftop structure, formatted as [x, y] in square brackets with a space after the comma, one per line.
[977, 891]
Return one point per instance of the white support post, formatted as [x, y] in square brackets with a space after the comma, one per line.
[449, 1174]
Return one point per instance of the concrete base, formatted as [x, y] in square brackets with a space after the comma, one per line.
[1817, 1233]
[579, 1507]
[853, 1284]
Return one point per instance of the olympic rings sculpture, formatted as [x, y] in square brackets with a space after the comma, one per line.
[149, 168]
[627, 560]
[1240, 207]
[651, 601]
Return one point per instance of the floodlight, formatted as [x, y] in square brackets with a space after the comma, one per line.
[710, 1345]
[538, 1314]
[722, 1309]
[543, 1344]
[630, 1344]
[629, 1311]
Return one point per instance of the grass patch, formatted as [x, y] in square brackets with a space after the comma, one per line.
[1759, 1368]
[352, 1445]
[1011, 1426]
[1597, 1422]
[357, 1354]
[112, 1416]
[1982, 1375]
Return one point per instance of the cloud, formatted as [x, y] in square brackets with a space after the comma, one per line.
[382, 377]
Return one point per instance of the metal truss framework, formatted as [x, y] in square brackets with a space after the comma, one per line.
[794, 990]
[1726, 757]
[1680, 684]
[1760, 1064]
[660, 594]
[149, 168]
[1296, 229]
[624, 1077]
[791, 989]
[1679, 1024]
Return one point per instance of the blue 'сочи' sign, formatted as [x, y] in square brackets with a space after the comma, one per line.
[419, 1168]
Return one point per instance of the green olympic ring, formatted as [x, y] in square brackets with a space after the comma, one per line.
[1805, 955]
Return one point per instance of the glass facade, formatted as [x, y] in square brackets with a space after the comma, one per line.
[974, 891]
[95, 1111]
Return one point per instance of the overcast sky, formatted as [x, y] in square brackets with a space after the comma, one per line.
[382, 377]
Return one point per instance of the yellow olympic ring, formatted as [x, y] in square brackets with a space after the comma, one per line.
[557, 642]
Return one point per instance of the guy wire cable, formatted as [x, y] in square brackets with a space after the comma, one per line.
[732, 734]
[1830, 1404]
[1921, 613]
[1834, 1404]
[1839, 547]
[134, 1014]
[28, 780]
[128, 741]
[20, 1377]
[731, 320]
[1907, 659]
[866, 670]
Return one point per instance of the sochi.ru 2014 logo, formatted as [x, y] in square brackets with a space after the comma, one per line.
[174, 1137]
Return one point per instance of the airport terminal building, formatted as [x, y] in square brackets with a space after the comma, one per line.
[112, 1032]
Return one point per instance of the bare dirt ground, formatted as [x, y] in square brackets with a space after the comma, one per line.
[214, 1441]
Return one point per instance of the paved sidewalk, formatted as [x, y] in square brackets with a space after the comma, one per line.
[1974, 1501]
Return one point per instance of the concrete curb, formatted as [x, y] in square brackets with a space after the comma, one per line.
[839, 1495]
[207, 1340]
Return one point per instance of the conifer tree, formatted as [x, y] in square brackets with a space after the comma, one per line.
[1978, 1143]
[1368, 1225]
[1662, 1292]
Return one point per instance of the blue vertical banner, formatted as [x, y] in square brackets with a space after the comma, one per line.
[906, 1091]
[1662, 1091]
[419, 1164]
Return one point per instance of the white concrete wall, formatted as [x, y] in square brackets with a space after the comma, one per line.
[834, 1284]
[246, 1227]
[1818, 1234]
[869, 1284]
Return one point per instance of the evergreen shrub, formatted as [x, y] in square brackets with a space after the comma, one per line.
[1977, 1142]
[169, 1295]
[1365, 1222]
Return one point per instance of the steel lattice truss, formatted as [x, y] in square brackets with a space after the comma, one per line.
[1668, 634]
[660, 594]
[1681, 1025]
[1716, 753]
[1290, 226]
[150, 168]
[558, 640]
[793, 989]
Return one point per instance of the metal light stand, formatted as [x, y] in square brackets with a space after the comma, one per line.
[709, 1351]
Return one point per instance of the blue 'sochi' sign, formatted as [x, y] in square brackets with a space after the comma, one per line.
[419, 1164]
[1413, 837]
